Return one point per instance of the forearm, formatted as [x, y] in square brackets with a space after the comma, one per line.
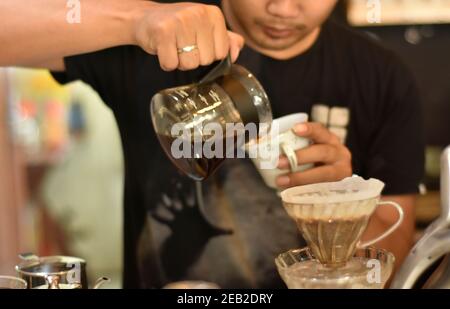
[401, 240]
[34, 31]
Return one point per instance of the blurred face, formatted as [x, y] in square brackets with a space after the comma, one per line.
[278, 28]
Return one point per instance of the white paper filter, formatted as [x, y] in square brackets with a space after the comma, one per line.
[346, 199]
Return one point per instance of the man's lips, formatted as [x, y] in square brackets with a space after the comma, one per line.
[278, 33]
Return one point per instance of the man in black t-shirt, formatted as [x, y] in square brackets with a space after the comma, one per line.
[363, 104]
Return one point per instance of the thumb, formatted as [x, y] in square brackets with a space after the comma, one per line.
[236, 44]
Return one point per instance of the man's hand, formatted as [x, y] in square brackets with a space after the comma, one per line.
[333, 161]
[166, 28]
[160, 29]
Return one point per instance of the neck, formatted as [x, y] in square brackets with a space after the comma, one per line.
[299, 48]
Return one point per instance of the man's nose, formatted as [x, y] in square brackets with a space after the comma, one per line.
[284, 8]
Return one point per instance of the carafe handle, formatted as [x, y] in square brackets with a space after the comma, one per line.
[221, 69]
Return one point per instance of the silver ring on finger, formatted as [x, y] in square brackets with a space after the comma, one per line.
[187, 49]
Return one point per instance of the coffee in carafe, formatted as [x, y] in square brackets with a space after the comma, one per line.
[196, 165]
[216, 113]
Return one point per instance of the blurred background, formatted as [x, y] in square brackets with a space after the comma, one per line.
[61, 174]
[61, 171]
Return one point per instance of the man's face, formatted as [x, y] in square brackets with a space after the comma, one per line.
[278, 25]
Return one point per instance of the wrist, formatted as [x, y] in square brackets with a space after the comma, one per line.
[133, 18]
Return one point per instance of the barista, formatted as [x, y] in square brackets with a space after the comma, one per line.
[362, 101]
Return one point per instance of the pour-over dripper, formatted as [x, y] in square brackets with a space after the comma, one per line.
[369, 268]
[333, 216]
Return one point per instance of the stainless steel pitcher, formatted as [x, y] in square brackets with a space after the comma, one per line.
[54, 272]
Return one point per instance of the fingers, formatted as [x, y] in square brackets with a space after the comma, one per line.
[167, 54]
[318, 153]
[205, 43]
[317, 133]
[236, 44]
[168, 28]
[221, 39]
[187, 60]
[332, 159]
[326, 173]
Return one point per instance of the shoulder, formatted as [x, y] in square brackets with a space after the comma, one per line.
[359, 48]
[358, 53]
[353, 40]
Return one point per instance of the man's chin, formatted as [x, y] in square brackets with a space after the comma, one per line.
[277, 45]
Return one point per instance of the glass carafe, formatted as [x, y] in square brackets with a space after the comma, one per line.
[368, 268]
[199, 125]
[8, 282]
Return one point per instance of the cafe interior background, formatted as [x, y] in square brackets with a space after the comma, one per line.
[61, 170]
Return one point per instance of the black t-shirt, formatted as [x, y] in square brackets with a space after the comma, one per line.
[361, 91]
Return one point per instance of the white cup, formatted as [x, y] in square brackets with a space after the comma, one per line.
[281, 140]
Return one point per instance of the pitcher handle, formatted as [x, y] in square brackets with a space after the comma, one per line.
[221, 69]
[390, 230]
[100, 281]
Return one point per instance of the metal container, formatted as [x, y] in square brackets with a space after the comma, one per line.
[54, 272]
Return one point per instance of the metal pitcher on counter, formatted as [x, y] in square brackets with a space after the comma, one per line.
[55, 272]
